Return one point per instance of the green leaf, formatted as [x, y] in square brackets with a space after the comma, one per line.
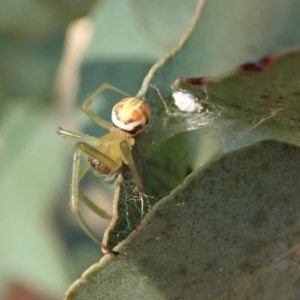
[230, 230]
[233, 224]
[235, 107]
[255, 102]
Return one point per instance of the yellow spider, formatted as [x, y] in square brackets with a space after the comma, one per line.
[107, 154]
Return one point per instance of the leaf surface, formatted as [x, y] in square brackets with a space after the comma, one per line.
[231, 230]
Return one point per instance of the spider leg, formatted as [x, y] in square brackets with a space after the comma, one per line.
[87, 103]
[83, 167]
[92, 206]
[78, 136]
[79, 171]
[77, 174]
[111, 177]
[93, 152]
[75, 194]
[127, 155]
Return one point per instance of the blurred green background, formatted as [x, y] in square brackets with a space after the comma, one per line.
[53, 55]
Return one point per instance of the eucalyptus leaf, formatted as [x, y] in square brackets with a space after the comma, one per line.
[231, 230]
[257, 101]
[200, 52]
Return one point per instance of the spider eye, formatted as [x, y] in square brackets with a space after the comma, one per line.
[131, 115]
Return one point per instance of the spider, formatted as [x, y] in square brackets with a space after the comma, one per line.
[107, 154]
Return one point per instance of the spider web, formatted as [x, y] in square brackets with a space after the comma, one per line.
[234, 133]
[255, 102]
[244, 109]
[140, 201]
[238, 126]
[130, 207]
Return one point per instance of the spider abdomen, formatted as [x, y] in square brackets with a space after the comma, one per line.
[131, 115]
